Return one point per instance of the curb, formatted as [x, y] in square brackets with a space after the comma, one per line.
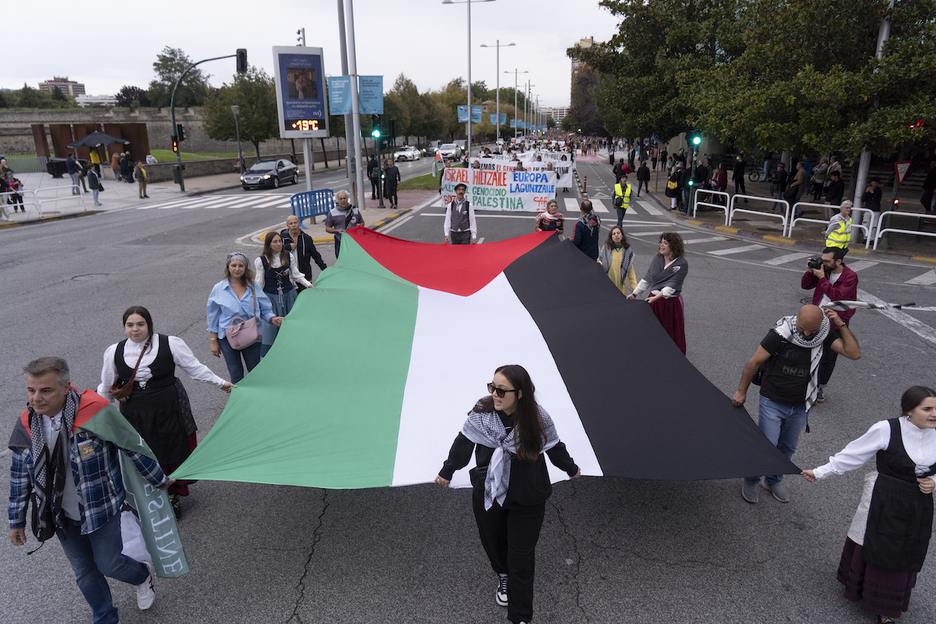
[376, 225]
[880, 254]
[71, 215]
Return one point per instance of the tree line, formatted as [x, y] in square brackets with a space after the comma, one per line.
[769, 75]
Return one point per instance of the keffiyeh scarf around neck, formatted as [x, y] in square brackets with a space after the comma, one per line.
[49, 466]
[486, 428]
[591, 221]
[787, 329]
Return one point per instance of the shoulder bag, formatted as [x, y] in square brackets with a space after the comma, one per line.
[241, 334]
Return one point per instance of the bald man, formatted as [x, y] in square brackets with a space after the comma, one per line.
[789, 357]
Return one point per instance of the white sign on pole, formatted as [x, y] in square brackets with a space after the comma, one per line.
[902, 169]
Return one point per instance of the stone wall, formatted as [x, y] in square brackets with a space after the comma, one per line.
[16, 136]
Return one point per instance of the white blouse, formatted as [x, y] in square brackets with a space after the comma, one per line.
[919, 443]
[295, 276]
[181, 355]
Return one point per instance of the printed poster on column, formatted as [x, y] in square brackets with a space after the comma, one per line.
[513, 191]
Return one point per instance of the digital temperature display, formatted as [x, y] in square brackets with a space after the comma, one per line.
[306, 125]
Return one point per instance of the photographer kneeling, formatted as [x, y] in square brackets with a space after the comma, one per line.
[830, 277]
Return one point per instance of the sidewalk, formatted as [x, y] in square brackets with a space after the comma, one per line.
[808, 236]
[50, 199]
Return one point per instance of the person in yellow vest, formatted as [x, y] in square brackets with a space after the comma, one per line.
[96, 160]
[622, 197]
[838, 234]
[139, 172]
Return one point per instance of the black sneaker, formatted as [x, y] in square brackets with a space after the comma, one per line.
[820, 398]
[500, 597]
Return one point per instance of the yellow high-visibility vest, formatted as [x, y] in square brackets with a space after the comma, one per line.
[626, 194]
[841, 235]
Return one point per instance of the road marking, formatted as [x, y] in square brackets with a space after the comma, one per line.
[658, 232]
[598, 206]
[787, 258]
[917, 327]
[862, 264]
[272, 202]
[735, 250]
[571, 204]
[480, 240]
[651, 208]
[178, 202]
[704, 240]
[227, 203]
[923, 280]
[924, 309]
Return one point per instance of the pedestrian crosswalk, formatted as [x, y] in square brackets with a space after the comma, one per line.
[214, 202]
[602, 204]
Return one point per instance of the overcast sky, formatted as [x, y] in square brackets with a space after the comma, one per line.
[424, 39]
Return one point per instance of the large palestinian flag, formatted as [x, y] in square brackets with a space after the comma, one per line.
[375, 369]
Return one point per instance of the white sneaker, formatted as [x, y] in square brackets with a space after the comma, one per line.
[500, 597]
[146, 593]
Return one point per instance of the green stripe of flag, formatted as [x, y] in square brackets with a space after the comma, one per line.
[305, 416]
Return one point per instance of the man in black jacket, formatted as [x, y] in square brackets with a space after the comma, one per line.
[643, 177]
[294, 239]
[929, 188]
[738, 176]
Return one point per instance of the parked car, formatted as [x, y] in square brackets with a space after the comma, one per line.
[407, 153]
[450, 151]
[270, 173]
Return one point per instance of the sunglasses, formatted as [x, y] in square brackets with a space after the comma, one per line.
[500, 392]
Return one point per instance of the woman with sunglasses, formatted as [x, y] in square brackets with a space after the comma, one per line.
[509, 433]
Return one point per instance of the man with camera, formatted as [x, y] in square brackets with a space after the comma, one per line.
[830, 277]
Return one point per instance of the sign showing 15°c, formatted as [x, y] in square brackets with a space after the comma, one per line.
[300, 92]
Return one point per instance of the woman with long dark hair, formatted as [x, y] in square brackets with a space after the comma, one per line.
[509, 433]
[664, 282]
[139, 372]
[891, 529]
[617, 259]
[277, 275]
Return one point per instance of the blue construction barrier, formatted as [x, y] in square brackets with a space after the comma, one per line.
[312, 203]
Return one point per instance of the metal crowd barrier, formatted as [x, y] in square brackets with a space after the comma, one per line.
[881, 231]
[55, 200]
[6, 209]
[856, 220]
[310, 204]
[697, 203]
[784, 218]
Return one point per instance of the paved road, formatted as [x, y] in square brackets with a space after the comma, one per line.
[612, 550]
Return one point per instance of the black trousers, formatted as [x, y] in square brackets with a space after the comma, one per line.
[739, 185]
[460, 238]
[374, 187]
[509, 538]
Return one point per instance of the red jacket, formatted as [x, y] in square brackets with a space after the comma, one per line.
[845, 287]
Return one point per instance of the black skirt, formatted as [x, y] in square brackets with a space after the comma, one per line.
[156, 415]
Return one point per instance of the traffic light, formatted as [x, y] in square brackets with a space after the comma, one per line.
[241, 61]
[175, 144]
[180, 132]
[375, 124]
[695, 139]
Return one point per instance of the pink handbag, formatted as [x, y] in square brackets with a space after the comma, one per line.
[241, 334]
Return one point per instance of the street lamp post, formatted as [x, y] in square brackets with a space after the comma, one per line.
[236, 110]
[516, 72]
[468, 2]
[526, 103]
[498, 46]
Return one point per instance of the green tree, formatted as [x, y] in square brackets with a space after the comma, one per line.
[58, 96]
[169, 65]
[128, 95]
[4, 103]
[431, 123]
[584, 107]
[410, 122]
[27, 97]
[254, 93]
[637, 90]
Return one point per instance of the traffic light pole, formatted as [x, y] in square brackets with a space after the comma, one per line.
[178, 155]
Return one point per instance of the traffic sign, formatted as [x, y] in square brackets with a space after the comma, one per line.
[902, 168]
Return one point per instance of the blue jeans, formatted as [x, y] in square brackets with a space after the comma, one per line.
[75, 188]
[94, 194]
[232, 358]
[96, 555]
[642, 184]
[783, 425]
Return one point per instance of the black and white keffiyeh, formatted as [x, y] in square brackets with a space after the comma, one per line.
[486, 428]
[787, 329]
[50, 465]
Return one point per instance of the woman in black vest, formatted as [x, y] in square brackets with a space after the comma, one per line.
[890, 533]
[662, 287]
[139, 372]
[277, 275]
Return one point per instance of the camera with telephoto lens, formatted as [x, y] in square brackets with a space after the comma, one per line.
[814, 263]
